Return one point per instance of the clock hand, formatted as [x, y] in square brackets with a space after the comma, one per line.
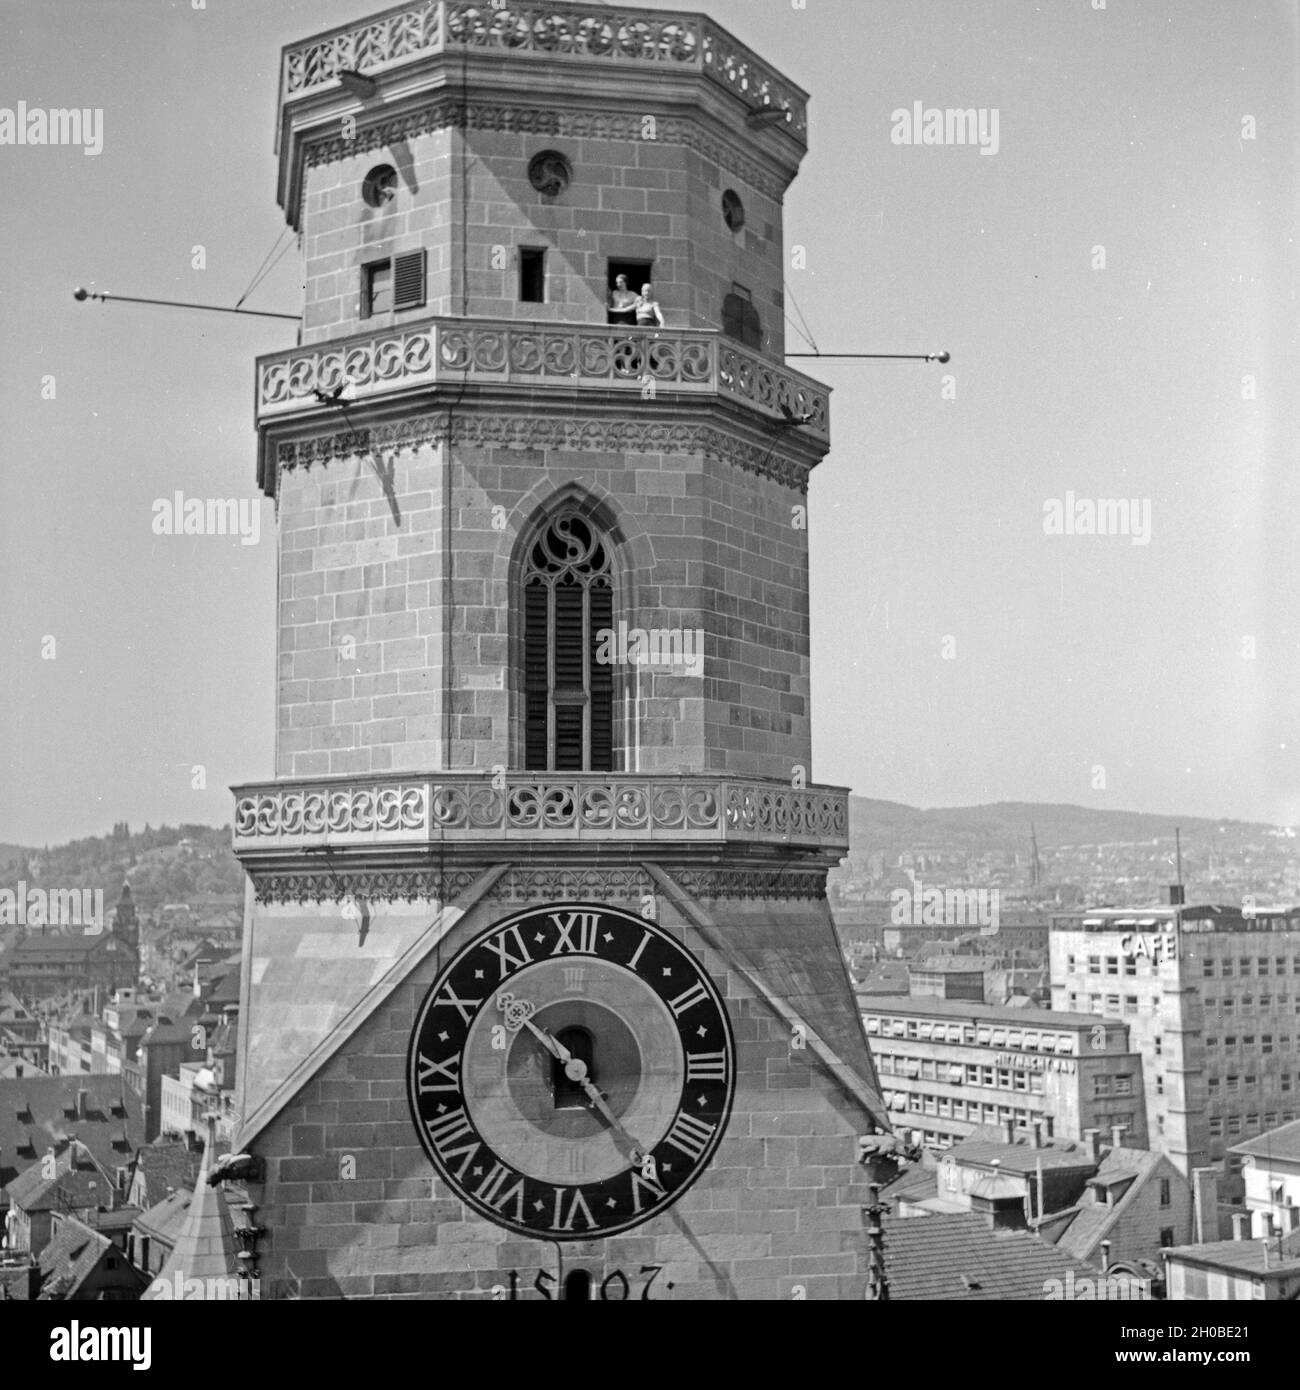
[599, 1102]
[518, 1014]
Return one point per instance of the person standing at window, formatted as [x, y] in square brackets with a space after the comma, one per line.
[622, 302]
[648, 313]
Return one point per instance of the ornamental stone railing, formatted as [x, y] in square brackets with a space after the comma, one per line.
[674, 40]
[466, 807]
[394, 361]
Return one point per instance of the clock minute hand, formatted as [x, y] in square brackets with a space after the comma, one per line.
[600, 1103]
[576, 1070]
[519, 1013]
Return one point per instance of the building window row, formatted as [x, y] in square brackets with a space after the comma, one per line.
[1245, 966]
[1248, 1003]
[1267, 1042]
[957, 1073]
[969, 1035]
[1234, 1126]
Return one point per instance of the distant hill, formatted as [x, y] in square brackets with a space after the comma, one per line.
[165, 864]
[891, 827]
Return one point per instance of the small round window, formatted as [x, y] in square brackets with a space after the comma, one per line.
[379, 187]
[733, 210]
[550, 173]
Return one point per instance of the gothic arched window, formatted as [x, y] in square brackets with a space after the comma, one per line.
[568, 694]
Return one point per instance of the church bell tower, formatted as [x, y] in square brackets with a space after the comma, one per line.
[541, 993]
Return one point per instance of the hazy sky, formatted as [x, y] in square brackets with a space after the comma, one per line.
[1125, 128]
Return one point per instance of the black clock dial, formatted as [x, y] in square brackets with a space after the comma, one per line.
[571, 1071]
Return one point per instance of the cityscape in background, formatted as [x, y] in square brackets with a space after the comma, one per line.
[1074, 1047]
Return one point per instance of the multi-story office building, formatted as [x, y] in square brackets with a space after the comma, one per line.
[949, 1065]
[1212, 998]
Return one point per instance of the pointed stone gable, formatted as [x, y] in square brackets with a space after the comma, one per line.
[206, 1247]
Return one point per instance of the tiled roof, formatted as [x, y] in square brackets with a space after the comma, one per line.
[166, 1164]
[226, 989]
[15, 1067]
[1094, 1220]
[1244, 1256]
[1020, 1158]
[1282, 1142]
[37, 1111]
[959, 1257]
[72, 1255]
[78, 1181]
[163, 1219]
[915, 1184]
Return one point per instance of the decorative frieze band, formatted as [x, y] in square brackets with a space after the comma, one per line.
[355, 890]
[542, 432]
[378, 886]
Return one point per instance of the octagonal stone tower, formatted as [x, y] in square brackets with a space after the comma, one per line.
[543, 641]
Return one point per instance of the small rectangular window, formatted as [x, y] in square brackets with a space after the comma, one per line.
[1166, 1197]
[408, 280]
[376, 289]
[532, 274]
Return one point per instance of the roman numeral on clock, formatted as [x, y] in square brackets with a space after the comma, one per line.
[636, 955]
[641, 1186]
[465, 1007]
[690, 1136]
[509, 960]
[449, 1071]
[491, 1190]
[697, 994]
[586, 925]
[706, 1066]
[447, 1131]
[571, 1200]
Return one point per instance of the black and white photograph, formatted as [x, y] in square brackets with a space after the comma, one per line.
[649, 655]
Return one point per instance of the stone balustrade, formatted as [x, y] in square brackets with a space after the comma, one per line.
[678, 41]
[536, 807]
[509, 353]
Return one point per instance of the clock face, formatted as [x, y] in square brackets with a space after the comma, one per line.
[571, 1071]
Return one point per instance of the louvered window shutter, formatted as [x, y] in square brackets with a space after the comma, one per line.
[408, 280]
[602, 683]
[568, 695]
